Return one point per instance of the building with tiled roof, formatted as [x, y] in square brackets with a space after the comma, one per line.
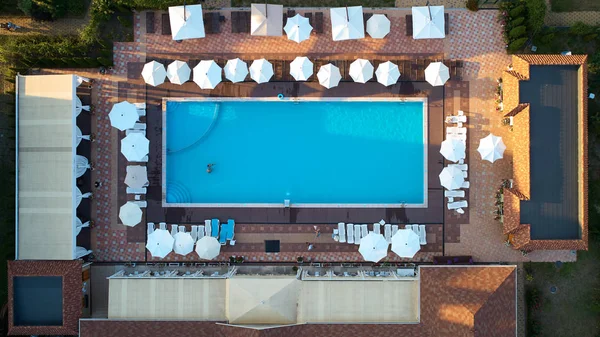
[545, 207]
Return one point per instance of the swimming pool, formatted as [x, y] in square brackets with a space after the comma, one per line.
[314, 153]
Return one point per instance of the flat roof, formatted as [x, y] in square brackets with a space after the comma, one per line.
[46, 151]
[552, 92]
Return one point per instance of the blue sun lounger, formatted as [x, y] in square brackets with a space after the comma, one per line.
[227, 231]
[230, 229]
[214, 228]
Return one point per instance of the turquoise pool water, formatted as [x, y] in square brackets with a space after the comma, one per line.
[311, 152]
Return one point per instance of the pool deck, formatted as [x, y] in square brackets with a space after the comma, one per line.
[473, 38]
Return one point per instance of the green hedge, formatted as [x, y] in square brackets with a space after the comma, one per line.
[517, 21]
[517, 44]
[536, 11]
[517, 32]
[517, 11]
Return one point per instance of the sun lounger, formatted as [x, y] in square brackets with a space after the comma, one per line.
[223, 235]
[200, 233]
[131, 190]
[150, 228]
[141, 204]
[342, 232]
[214, 224]
[454, 130]
[230, 229]
[181, 229]
[130, 131]
[350, 233]
[462, 167]
[163, 225]
[194, 232]
[415, 228]
[408, 227]
[460, 211]
[174, 230]
[208, 227]
[454, 194]
[357, 236]
[377, 228]
[364, 230]
[394, 230]
[458, 204]
[422, 235]
[465, 184]
[387, 230]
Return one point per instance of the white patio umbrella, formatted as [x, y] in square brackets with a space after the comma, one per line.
[387, 73]
[405, 243]
[301, 68]
[82, 164]
[135, 146]
[347, 23]
[178, 72]
[80, 196]
[261, 71]
[236, 70]
[123, 115]
[451, 178]
[208, 248]
[266, 20]
[79, 225]
[80, 136]
[378, 26]
[428, 22]
[81, 252]
[373, 247]
[329, 76]
[137, 176]
[491, 148]
[160, 243]
[207, 74]
[437, 74]
[298, 28]
[184, 244]
[361, 70]
[130, 214]
[186, 22]
[79, 106]
[453, 150]
[154, 73]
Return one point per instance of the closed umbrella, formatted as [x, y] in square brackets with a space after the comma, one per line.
[329, 76]
[453, 149]
[80, 196]
[160, 243]
[301, 68]
[373, 247]
[261, 71]
[135, 146]
[298, 28]
[437, 74]
[123, 115]
[130, 214]
[387, 73]
[137, 176]
[491, 148]
[236, 70]
[405, 243]
[154, 73]
[79, 225]
[361, 70]
[347, 23]
[207, 74]
[81, 165]
[184, 244]
[451, 178]
[378, 26]
[178, 72]
[79, 106]
[208, 248]
[79, 136]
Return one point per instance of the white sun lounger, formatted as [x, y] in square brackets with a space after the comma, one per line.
[408, 227]
[141, 204]
[415, 228]
[465, 184]
[422, 235]
[200, 233]
[144, 160]
[357, 236]
[194, 232]
[150, 228]
[140, 105]
[350, 233]
[377, 228]
[342, 231]
[163, 225]
[173, 230]
[455, 130]
[129, 131]
[387, 230]
[458, 204]
[454, 194]
[131, 190]
[139, 126]
[394, 230]
[462, 167]
[181, 229]
[364, 230]
[207, 227]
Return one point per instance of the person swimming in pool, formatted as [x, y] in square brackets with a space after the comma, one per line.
[209, 168]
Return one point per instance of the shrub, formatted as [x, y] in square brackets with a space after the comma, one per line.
[517, 31]
[125, 22]
[105, 61]
[579, 29]
[548, 38]
[517, 44]
[25, 6]
[594, 64]
[472, 5]
[590, 37]
[517, 21]
[536, 12]
[517, 11]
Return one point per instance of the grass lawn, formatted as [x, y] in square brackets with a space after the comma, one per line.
[320, 3]
[575, 5]
[569, 312]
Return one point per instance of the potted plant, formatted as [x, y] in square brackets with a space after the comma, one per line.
[239, 259]
[232, 259]
[300, 259]
[295, 269]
